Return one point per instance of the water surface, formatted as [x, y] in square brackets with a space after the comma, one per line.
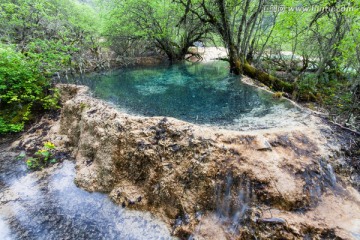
[202, 93]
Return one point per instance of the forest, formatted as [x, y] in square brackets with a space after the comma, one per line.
[41, 39]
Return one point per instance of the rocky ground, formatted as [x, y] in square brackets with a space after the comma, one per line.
[207, 183]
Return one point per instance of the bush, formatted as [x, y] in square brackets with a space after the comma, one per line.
[42, 158]
[23, 88]
[6, 127]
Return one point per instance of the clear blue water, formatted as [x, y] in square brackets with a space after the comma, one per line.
[194, 92]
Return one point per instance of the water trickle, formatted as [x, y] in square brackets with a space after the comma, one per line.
[234, 197]
[318, 178]
[330, 175]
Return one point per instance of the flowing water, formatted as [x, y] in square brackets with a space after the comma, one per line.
[233, 201]
[197, 93]
[48, 205]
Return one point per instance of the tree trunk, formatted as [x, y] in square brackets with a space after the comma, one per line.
[274, 83]
[234, 59]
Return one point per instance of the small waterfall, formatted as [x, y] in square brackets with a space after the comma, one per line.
[233, 200]
[330, 174]
[318, 178]
[223, 200]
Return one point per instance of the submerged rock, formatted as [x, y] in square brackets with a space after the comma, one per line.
[266, 183]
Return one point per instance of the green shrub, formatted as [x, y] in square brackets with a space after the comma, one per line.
[23, 88]
[6, 127]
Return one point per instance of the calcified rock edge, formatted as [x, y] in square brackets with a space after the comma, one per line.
[206, 182]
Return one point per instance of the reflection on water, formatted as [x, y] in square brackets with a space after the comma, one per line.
[50, 206]
[198, 93]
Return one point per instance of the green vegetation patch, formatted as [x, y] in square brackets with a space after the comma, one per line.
[23, 89]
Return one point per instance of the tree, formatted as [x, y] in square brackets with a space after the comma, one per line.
[236, 21]
[37, 39]
[59, 32]
[157, 22]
